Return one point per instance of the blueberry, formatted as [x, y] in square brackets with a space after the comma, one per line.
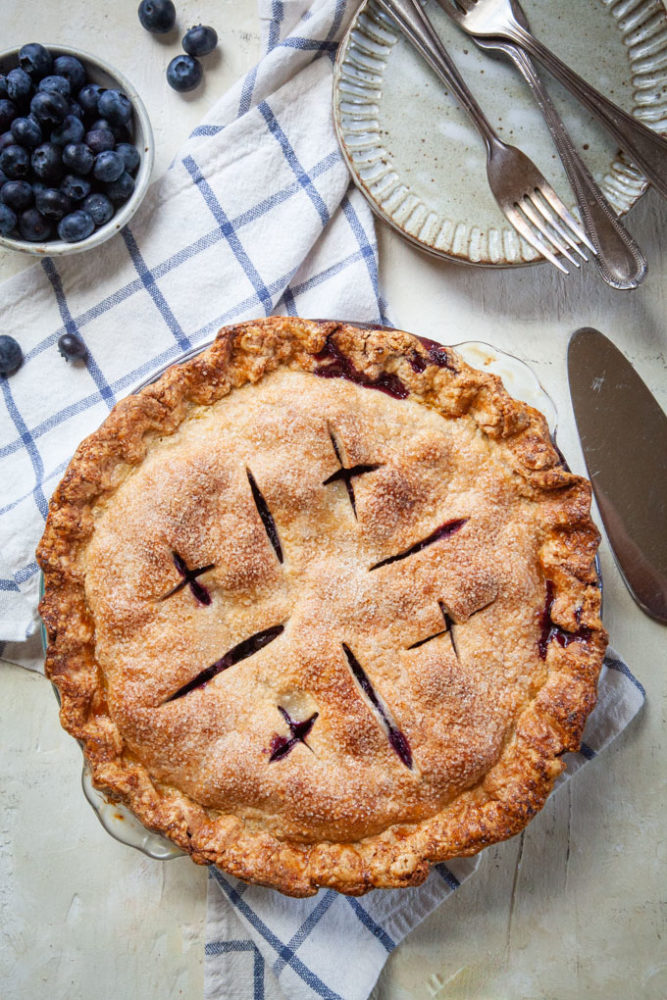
[3, 178]
[115, 107]
[99, 206]
[100, 139]
[70, 345]
[76, 188]
[6, 139]
[200, 40]
[120, 190]
[130, 156]
[76, 226]
[157, 16]
[55, 84]
[27, 132]
[75, 110]
[47, 162]
[70, 131]
[48, 108]
[11, 355]
[184, 73]
[18, 195]
[19, 86]
[15, 161]
[8, 113]
[7, 220]
[78, 158]
[52, 203]
[89, 97]
[3, 85]
[35, 60]
[33, 226]
[72, 69]
[108, 166]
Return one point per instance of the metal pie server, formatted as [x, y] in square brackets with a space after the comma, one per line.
[623, 434]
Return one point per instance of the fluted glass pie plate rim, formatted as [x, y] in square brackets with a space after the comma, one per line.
[520, 381]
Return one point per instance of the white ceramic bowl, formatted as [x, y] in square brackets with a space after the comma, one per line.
[102, 73]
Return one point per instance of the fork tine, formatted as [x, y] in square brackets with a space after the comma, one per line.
[545, 224]
[557, 225]
[552, 198]
[529, 235]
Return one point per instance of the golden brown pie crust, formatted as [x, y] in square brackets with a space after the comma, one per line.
[438, 674]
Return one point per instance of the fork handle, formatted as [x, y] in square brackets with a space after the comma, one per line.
[409, 16]
[618, 258]
[647, 148]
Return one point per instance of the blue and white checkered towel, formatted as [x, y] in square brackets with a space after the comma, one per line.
[255, 217]
[332, 947]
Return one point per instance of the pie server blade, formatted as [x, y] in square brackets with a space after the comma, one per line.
[623, 434]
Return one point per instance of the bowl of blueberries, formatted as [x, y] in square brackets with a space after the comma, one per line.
[76, 150]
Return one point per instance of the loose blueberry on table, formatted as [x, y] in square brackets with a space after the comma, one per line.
[11, 355]
[200, 40]
[66, 150]
[71, 347]
[184, 73]
[157, 16]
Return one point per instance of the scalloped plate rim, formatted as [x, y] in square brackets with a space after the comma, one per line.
[383, 214]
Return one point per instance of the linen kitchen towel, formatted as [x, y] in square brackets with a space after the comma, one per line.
[255, 217]
[333, 947]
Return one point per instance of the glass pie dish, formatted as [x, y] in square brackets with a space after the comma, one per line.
[519, 380]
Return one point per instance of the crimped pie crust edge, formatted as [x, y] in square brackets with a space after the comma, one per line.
[512, 791]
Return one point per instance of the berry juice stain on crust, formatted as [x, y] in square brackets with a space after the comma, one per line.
[265, 515]
[237, 653]
[282, 745]
[397, 739]
[338, 366]
[190, 580]
[549, 630]
[449, 528]
[437, 355]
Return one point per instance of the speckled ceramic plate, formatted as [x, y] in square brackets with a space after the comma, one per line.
[420, 162]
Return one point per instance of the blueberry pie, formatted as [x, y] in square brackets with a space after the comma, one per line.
[322, 606]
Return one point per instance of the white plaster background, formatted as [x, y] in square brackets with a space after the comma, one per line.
[569, 910]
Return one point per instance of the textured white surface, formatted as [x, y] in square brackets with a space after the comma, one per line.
[569, 910]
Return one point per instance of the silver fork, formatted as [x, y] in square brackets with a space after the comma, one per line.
[494, 18]
[618, 259]
[528, 201]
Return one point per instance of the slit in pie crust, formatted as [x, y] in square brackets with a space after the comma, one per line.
[322, 606]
